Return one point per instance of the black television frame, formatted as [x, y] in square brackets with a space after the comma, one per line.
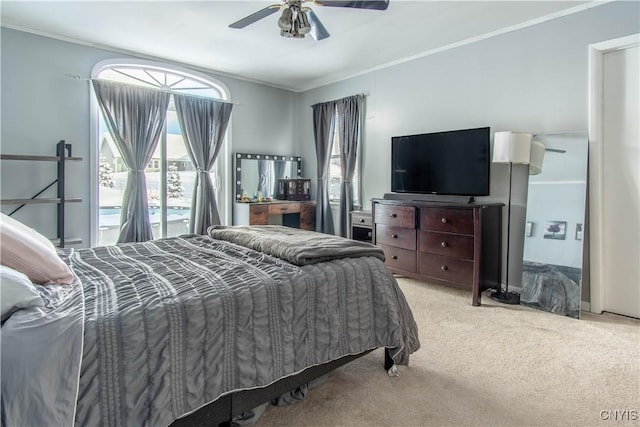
[436, 192]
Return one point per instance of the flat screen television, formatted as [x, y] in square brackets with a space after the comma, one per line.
[455, 162]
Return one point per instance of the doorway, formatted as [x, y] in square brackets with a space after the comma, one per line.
[614, 176]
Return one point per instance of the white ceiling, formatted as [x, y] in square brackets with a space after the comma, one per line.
[196, 33]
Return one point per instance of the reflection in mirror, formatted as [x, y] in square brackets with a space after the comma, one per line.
[555, 218]
[260, 173]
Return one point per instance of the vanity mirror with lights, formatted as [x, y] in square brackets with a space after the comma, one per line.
[256, 192]
[260, 173]
[555, 225]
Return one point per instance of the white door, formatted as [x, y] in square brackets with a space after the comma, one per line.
[621, 182]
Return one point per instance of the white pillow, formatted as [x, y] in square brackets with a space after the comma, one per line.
[24, 252]
[16, 292]
[25, 229]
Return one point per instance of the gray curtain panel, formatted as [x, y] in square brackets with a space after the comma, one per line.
[350, 112]
[279, 171]
[323, 125]
[263, 177]
[204, 123]
[135, 117]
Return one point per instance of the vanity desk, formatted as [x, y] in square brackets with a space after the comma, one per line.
[260, 174]
[297, 214]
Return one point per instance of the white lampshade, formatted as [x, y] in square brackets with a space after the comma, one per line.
[536, 157]
[511, 147]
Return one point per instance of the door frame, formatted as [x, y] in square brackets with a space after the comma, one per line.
[596, 220]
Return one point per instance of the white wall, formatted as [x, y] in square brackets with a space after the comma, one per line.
[534, 79]
[41, 106]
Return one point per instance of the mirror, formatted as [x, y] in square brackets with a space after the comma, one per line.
[260, 172]
[555, 225]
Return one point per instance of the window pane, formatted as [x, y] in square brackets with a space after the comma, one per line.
[112, 177]
[335, 147]
[180, 179]
[335, 172]
[335, 177]
[152, 175]
[159, 77]
[112, 182]
[180, 183]
[129, 75]
[356, 185]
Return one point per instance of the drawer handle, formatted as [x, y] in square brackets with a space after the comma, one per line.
[393, 215]
[443, 244]
[362, 221]
[444, 220]
[394, 257]
[395, 236]
[444, 268]
[283, 209]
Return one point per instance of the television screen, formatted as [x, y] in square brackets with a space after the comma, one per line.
[453, 163]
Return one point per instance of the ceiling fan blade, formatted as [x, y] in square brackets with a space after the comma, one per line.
[358, 4]
[247, 20]
[318, 31]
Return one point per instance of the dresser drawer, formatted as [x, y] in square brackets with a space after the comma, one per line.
[396, 236]
[361, 218]
[445, 268]
[258, 215]
[448, 220]
[401, 259]
[400, 216]
[283, 208]
[447, 244]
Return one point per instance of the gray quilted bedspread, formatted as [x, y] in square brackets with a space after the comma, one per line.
[172, 324]
[300, 247]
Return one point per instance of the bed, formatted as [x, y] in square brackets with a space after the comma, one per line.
[197, 329]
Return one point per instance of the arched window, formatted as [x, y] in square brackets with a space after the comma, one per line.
[170, 173]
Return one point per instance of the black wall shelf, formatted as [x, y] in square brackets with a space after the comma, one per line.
[63, 155]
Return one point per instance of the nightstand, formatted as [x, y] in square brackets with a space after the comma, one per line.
[361, 226]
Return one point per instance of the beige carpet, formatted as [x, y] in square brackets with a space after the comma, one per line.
[494, 365]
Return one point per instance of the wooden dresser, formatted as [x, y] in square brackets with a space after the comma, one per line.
[457, 244]
[298, 214]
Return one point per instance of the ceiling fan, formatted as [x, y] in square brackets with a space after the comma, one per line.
[297, 20]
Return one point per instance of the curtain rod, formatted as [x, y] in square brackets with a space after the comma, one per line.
[77, 77]
[363, 94]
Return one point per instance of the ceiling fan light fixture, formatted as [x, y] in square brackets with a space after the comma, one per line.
[295, 30]
[297, 20]
[303, 22]
[286, 20]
